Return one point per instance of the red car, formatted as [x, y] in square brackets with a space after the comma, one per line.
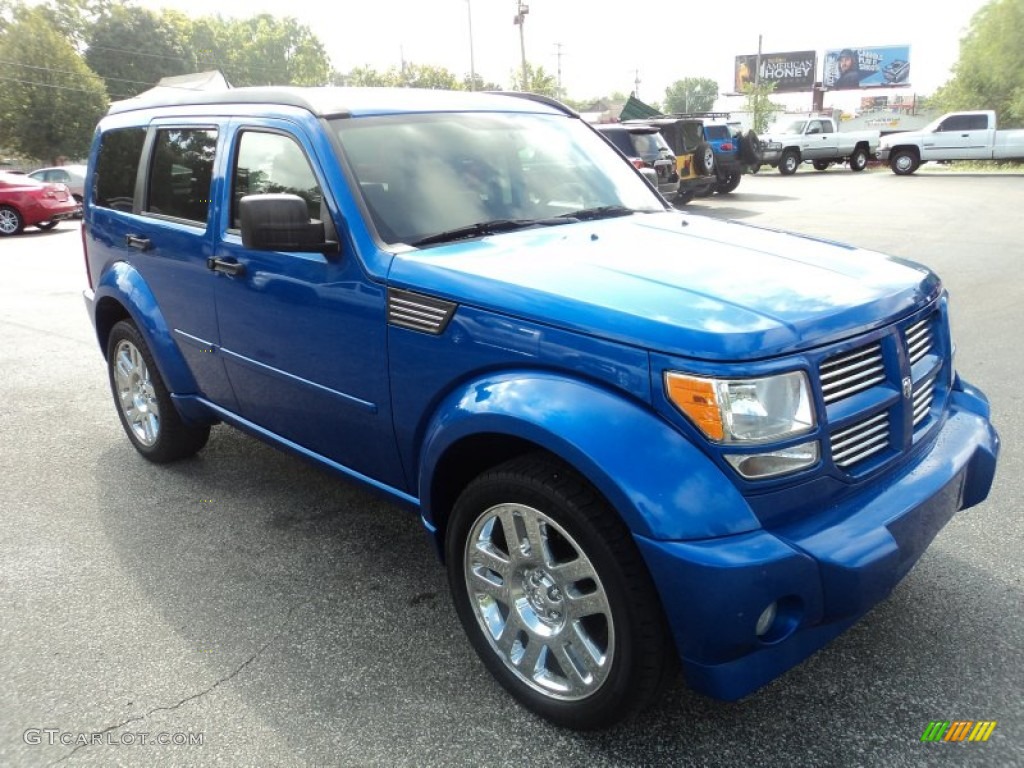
[25, 202]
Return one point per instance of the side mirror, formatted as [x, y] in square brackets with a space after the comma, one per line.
[280, 222]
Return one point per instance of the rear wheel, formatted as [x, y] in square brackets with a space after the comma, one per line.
[821, 165]
[728, 184]
[144, 405]
[858, 159]
[554, 595]
[47, 225]
[789, 163]
[11, 222]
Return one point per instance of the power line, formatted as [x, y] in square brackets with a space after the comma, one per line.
[77, 74]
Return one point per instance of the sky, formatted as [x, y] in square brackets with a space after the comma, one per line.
[607, 47]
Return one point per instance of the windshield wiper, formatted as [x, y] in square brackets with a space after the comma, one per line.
[492, 227]
[601, 212]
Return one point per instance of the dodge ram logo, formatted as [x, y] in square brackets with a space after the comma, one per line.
[908, 387]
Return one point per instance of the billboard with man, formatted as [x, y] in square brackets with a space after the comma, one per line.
[879, 67]
[790, 71]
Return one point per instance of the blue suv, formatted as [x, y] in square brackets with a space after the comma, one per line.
[639, 438]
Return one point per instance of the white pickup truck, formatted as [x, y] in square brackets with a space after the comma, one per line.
[817, 140]
[956, 136]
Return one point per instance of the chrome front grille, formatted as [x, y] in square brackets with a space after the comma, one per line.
[880, 396]
[919, 339]
[851, 373]
[863, 439]
[923, 398]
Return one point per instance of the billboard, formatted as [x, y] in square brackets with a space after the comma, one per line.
[880, 67]
[790, 71]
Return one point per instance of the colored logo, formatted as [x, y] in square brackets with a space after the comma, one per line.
[958, 730]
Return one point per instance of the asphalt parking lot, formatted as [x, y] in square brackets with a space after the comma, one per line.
[280, 616]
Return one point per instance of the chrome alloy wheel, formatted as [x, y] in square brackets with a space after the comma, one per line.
[10, 222]
[540, 602]
[135, 393]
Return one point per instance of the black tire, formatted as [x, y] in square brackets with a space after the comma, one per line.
[143, 403]
[904, 162]
[858, 159]
[728, 184]
[821, 165]
[555, 519]
[789, 162]
[48, 225]
[750, 149]
[11, 221]
[704, 159]
[755, 168]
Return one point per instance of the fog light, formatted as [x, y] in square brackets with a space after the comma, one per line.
[766, 620]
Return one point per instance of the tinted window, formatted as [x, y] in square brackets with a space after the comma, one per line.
[717, 132]
[182, 170]
[621, 140]
[964, 123]
[269, 163]
[977, 122]
[117, 164]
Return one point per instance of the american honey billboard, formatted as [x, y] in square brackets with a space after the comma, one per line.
[790, 71]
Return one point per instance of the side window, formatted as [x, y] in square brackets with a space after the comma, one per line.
[814, 127]
[977, 122]
[181, 173]
[117, 164]
[956, 123]
[270, 163]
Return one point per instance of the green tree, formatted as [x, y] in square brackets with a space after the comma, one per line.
[478, 84]
[265, 50]
[52, 100]
[759, 104]
[132, 48]
[538, 81]
[990, 71]
[691, 94]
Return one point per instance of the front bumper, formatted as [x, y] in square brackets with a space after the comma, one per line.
[771, 156]
[823, 572]
[882, 154]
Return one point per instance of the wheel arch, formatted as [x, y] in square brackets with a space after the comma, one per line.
[123, 294]
[663, 487]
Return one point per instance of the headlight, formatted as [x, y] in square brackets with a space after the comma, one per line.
[750, 412]
[773, 145]
[744, 410]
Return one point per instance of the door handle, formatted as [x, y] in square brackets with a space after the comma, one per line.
[227, 266]
[138, 243]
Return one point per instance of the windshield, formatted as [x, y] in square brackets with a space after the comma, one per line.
[425, 175]
[797, 126]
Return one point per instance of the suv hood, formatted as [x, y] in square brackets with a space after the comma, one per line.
[676, 283]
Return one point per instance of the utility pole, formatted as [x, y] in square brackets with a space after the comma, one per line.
[558, 57]
[472, 64]
[636, 83]
[520, 19]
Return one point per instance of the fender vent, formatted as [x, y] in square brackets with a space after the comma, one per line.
[418, 312]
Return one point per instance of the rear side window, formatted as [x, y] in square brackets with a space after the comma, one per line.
[717, 132]
[117, 165]
[181, 173]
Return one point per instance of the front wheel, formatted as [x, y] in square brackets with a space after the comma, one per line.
[859, 159]
[789, 163]
[903, 162]
[143, 403]
[554, 595]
